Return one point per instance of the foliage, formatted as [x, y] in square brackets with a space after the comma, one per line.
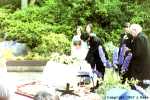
[53, 43]
[34, 56]
[29, 33]
[63, 58]
[3, 14]
[10, 4]
[6, 54]
[111, 80]
[97, 12]
[32, 14]
[109, 49]
[139, 12]
[32, 27]
[34, 23]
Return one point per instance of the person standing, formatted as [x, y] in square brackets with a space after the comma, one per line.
[125, 35]
[76, 43]
[97, 56]
[89, 29]
[139, 67]
[124, 46]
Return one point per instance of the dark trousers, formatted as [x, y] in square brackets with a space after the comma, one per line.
[99, 67]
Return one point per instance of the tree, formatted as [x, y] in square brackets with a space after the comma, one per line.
[24, 4]
[32, 2]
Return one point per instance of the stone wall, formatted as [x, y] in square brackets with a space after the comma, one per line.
[25, 66]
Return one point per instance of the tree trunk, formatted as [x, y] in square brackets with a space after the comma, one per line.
[24, 4]
[32, 2]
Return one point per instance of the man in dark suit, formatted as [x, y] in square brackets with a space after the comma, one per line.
[125, 44]
[139, 67]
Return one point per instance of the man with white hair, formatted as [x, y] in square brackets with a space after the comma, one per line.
[139, 67]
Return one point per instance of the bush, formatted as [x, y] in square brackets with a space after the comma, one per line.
[64, 59]
[11, 4]
[3, 15]
[33, 13]
[25, 32]
[30, 25]
[53, 43]
[106, 16]
[113, 80]
[109, 49]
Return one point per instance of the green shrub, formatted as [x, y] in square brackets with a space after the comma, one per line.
[33, 56]
[53, 43]
[10, 4]
[113, 80]
[109, 49]
[33, 13]
[64, 59]
[32, 27]
[25, 32]
[3, 15]
[107, 16]
[62, 16]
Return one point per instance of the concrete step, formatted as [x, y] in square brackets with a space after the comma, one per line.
[25, 68]
[25, 65]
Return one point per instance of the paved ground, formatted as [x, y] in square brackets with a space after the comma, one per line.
[25, 77]
[13, 79]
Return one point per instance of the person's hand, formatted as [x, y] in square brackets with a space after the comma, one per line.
[115, 66]
[105, 64]
[108, 64]
[126, 49]
[123, 71]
